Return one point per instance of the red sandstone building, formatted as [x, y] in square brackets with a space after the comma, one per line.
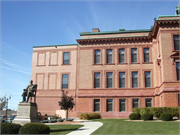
[111, 72]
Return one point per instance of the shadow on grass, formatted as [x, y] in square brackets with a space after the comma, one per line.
[62, 130]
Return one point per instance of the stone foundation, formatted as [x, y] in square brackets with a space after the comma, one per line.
[26, 113]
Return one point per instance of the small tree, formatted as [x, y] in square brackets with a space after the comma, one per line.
[2, 103]
[67, 102]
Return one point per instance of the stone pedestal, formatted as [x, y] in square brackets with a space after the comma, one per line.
[26, 113]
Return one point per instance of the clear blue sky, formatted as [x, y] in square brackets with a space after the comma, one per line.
[36, 23]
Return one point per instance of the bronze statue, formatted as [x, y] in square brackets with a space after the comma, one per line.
[178, 9]
[31, 88]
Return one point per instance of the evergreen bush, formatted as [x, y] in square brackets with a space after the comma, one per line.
[88, 116]
[34, 128]
[134, 116]
[147, 116]
[157, 111]
[10, 128]
[166, 116]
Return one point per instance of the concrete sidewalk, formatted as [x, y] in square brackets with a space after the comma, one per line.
[89, 127]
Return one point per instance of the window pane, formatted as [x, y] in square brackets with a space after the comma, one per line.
[122, 79]
[66, 58]
[109, 105]
[178, 70]
[96, 105]
[148, 102]
[146, 55]
[65, 80]
[109, 80]
[147, 79]
[97, 56]
[96, 80]
[176, 42]
[134, 79]
[121, 56]
[109, 56]
[134, 55]
[135, 103]
[122, 105]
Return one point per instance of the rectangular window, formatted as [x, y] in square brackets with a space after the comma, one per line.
[135, 103]
[176, 42]
[109, 105]
[96, 105]
[178, 70]
[122, 105]
[134, 55]
[121, 56]
[65, 81]
[122, 80]
[66, 58]
[97, 59]
[134, 79]
[97, 80]
[146, 55]
[109, 80]
[147, 79]
[148, 102]
[109, 56]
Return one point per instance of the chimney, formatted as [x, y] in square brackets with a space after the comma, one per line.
[95, 30]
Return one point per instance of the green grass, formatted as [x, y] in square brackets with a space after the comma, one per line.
[63, 129]
[120, 126]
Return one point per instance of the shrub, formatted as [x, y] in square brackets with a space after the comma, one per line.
[10, 128]
[55, 116]
[157, 111]
[136, 110]
[134, 116]
[87, 116]
[68, 119]
[147, 116]
[166, 116]
[44, 121]
[59, 120]
[144, 110]
[84, 116]
[52, 120]
[34, 128]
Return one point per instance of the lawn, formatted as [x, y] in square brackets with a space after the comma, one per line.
[120, 126]
[63, 129]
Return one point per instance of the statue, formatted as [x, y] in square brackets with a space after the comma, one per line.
[178, 9]
[31, 88]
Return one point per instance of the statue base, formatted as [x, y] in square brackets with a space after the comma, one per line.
[26, 113]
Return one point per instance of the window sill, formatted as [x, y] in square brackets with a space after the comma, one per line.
[54, 65]
[40, 65]
[65, 64]
[147, 63]
[176, 50]
[122, 63]
[134, 63]
[110, 64]
[97, 64]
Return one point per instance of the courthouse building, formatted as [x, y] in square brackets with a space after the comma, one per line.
[111, 72]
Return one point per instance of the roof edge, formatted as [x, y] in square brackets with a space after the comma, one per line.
[163, 16]
[55, 45]
[115, 32]
[112, 37]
